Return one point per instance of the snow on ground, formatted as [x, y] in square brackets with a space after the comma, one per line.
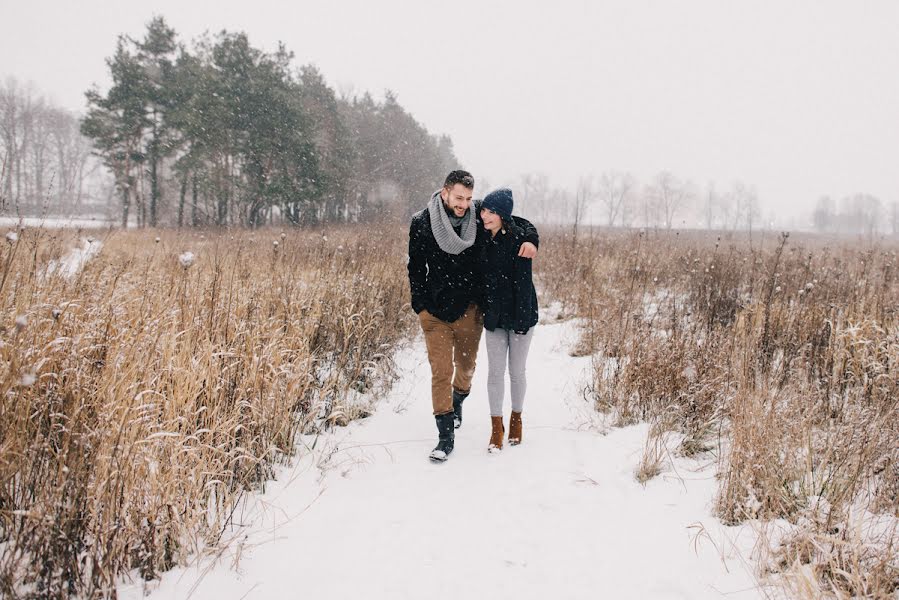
[366, 515]
[69, 265]
[58, 222]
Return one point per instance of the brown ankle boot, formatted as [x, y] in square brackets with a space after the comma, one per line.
[515, 429]
[496, 435]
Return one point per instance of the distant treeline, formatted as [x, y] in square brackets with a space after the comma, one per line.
[620, 199]
[858, 213]
[44, 160]
[223, 133]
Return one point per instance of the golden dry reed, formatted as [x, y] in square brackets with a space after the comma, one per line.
[781, 355]
[143, 396]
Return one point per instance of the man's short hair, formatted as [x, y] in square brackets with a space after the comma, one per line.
[459, 176]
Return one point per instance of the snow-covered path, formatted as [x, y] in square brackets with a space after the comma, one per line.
[366, 515]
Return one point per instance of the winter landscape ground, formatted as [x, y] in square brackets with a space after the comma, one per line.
[366, 515]
[243, 413]
[212, 380]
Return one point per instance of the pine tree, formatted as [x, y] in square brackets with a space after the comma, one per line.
[115, 122]
[155, 55]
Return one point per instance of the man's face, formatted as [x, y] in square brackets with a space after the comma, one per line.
[457, 199]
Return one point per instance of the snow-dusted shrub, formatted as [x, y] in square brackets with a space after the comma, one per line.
[141, 398]
[781, 352]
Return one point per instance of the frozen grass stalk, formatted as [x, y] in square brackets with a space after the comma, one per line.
[778, 357]
[138, 405]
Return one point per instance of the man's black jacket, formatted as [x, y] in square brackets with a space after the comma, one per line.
[445, 284]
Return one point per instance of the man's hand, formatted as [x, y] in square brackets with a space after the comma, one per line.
[527, 250]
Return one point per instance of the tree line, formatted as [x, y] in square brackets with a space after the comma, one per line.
[857, 213]
[619, 199]
[44, 159]
[224, 133]
[666, 201]
[220, 132]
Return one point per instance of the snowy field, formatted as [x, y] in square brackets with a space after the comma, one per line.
[58, 222]
[366, 515]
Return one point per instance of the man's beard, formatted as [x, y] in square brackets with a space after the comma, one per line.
[451, 212]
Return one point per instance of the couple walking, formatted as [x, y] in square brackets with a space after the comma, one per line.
[470, 270]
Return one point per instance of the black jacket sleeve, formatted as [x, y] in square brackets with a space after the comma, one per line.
[418, 267]
[525, 296]
[525, 315]
[529, 232]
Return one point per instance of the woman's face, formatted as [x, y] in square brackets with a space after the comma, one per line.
[492, 221]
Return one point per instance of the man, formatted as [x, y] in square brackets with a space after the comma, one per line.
[444, 244]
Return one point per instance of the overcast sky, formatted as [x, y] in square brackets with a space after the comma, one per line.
[800, 98]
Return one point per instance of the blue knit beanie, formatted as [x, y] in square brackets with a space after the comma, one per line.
[500, 202]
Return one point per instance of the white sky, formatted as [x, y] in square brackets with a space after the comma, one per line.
[800, 98]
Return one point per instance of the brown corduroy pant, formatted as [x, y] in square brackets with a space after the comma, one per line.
[452, 350]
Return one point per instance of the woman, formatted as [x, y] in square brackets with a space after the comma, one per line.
[510, 311]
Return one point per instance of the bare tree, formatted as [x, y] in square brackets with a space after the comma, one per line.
[614, 192]
[867, 212]
[559, 205]
[894, 217]
[535, 193]
[583, 198]
[726, 210]
[45, 160]
[523, 201]
[747, 202]
[824, 216]
[649, 208]
[711, 204]
[10, 129]
[667, 196]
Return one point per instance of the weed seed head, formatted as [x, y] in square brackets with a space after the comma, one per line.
[186, 259]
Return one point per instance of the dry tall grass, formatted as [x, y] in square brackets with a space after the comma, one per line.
[781, 353]
[140, 399]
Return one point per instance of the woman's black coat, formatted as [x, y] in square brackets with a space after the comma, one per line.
[510, 297]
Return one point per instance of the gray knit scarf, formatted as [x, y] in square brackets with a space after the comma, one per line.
[448, 240]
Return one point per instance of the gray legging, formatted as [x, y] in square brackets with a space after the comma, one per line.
[502, 343]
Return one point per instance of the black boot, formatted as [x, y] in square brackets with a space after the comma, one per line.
[446, 439]
[458, 397]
